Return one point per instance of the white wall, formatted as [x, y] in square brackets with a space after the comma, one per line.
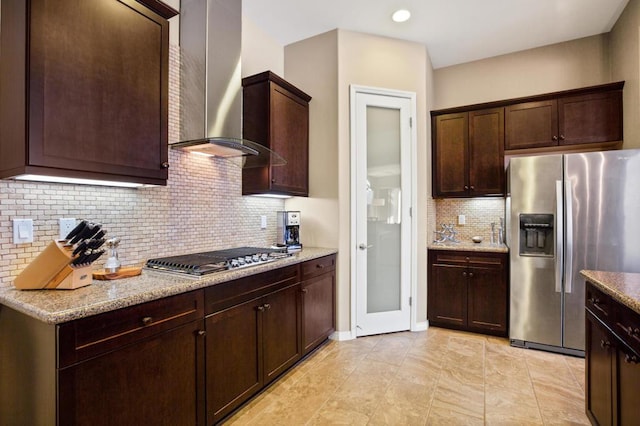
[562, 66]
[260, 51]
[625, 65]
[325, 66]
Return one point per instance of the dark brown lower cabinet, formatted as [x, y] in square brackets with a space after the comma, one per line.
[318, 301]
[612, 359]
[189, 359]
[156, 381]
[468, 291]
[248, 346]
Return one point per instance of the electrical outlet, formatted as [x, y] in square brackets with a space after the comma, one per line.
[263, 222]
[461, 219]
[66, 226]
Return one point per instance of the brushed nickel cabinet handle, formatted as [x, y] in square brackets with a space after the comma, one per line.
[605, 344]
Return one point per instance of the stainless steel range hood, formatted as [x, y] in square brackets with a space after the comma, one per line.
[210, 82]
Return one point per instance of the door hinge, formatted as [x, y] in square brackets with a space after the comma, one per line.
[410, 300]
[410, 211]
[410, 121]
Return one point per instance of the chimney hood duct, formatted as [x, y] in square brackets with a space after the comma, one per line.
[211, 83]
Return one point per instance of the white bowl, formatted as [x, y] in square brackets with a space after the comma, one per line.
[476, 239]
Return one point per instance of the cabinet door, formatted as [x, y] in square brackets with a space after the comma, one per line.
[281, 331]
[290, 139]
[486, 152]
[628, 378]
[234, 353]
[98, 87]
[318, 310]
[591, 118]
[156, 381]
[487, 304]
[451, 155]
[531, 125]
[447, 295]
[598, 366]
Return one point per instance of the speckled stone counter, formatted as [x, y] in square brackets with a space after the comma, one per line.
[58, 306]
[470, 246]
[623, 287]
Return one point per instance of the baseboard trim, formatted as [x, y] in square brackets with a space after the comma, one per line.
[421, 326]
[342, 335]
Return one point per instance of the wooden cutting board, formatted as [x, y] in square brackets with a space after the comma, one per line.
[125, 272]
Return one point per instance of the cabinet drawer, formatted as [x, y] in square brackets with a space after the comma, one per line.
[465, 258]
[88, 337]
[319, 266]
[227, 294]
[599, 304]
[627, 325]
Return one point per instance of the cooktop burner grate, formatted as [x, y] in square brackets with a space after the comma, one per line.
[214, 261]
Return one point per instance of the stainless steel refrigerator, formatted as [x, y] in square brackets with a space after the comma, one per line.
[566, 213]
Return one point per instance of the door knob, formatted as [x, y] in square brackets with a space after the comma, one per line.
[363, 246]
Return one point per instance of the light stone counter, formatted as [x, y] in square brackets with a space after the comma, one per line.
[58, 306]
[623, 287]
[469, 246]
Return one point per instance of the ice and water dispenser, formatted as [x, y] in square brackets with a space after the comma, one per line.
[536, 235]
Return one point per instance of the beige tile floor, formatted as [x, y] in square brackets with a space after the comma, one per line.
[436, 377]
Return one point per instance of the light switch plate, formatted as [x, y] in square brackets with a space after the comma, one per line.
[462, 219]
[66, 225]
[263, 222]
[22, 231]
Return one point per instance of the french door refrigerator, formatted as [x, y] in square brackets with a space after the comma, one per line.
[566, 213]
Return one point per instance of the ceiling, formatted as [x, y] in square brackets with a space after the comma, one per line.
[454, 31]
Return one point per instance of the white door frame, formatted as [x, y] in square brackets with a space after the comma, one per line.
[354, 89]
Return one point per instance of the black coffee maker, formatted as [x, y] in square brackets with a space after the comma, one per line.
[289, 230]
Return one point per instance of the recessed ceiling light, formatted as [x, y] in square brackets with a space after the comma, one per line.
[401, 15]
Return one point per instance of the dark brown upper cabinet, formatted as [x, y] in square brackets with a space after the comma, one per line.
[468, 150]
[581, 116]
[84, 89]
[276, 115]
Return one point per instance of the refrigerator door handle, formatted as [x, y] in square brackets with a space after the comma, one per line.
[559, 234]
[568, 209]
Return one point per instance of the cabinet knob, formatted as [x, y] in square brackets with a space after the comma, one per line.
[555, 138]
[561, 137]
[470, 274]
[320, 266]
[202, 333]
[304, 290]
[472, 187]
[466, 187]
[165, 165]
[147, 320]
[261, 308]
[605, 344]
[630, 359]
[464, 274]
[273, 180]
[633, 332]
[267, 306]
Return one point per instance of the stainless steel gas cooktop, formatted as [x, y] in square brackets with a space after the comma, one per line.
[198, 264]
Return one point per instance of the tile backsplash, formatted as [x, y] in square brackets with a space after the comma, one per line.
[201, 208]
[479, 213]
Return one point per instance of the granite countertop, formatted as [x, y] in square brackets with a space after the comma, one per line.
[58, 306]
[469, 246]
[622, 286]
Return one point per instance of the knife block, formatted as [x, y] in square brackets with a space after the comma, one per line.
[51, 270]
